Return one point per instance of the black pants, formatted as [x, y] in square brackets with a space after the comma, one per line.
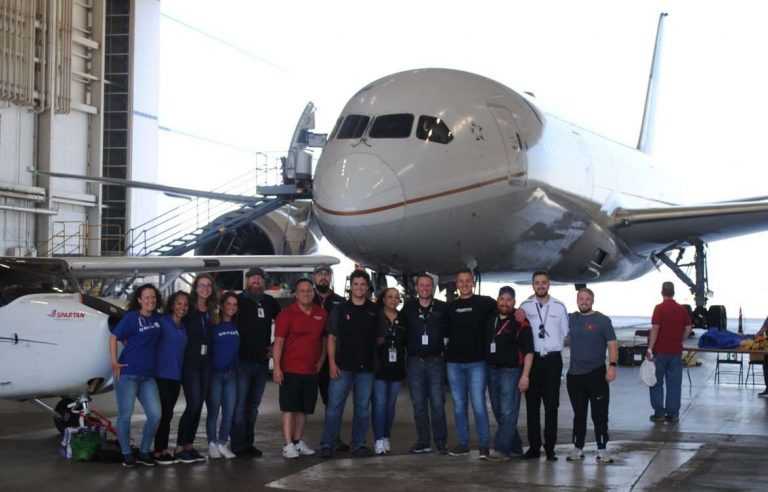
[765, 371]
[195, 381]
[169, 393]
[544, 387]
[589, 389]
[323, 380]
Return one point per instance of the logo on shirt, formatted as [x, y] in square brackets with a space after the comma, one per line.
[66, 314]
[589, 327]
[233, 333]
[464, 310]
[318, 318]
[152, 326]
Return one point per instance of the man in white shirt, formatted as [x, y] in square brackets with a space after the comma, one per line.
[549, 322]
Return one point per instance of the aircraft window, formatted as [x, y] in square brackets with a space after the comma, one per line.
[392, 126]
[433, 130]
[33, 277]
[353, 126]
[336, 128]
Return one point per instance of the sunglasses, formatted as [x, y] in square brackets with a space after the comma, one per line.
[542, 331]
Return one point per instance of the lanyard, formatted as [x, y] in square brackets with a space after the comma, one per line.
[543, 321]
[204, 324]
[503, 327]
[425, 314]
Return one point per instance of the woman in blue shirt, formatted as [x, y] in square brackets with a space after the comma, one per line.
[170, 360]
[134, 371]
[225, 350]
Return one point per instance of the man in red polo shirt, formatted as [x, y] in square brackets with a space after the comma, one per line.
[670, 325]
[299, 352]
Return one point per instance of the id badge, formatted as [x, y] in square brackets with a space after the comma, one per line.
[493, 347]
[392, 355]
[203, 349]
[261, 312]
[425, 340]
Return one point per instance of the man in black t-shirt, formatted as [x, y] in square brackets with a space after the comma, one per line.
[510, 356]
[467, 369]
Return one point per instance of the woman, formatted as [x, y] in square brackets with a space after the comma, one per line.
[390, 370]
[170, 360]
[195, 375]
[225, 352]
[134, 372]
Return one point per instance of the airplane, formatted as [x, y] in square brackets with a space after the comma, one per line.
[54, 336]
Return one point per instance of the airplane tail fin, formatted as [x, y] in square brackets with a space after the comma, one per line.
[647, 126]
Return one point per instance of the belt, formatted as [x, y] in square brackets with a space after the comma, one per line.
[546, 354]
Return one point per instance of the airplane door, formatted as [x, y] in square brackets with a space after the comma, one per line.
[516, 165]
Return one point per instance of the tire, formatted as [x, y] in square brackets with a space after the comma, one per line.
[69, 419]
[700, 317]
[716, 317]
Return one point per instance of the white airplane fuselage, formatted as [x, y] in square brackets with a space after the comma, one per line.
[512, 191]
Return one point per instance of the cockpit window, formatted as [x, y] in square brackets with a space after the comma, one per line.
[353, 126]
[19, 278]
[392, 126]
[433, 129]
[336, 128]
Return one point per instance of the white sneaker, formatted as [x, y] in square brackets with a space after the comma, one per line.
[213, 451]
[387, 446]
[575, 455]
[290, 451]
[604, 457]
[226, 452]
[379, 447]
[303, 449]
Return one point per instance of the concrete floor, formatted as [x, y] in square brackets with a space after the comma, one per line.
[720, 443]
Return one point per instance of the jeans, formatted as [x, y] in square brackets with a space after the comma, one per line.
[223, 394]
[669, 367]
[195, 381]
[168, 390]
[589, 389]
[361, 383]
[384, 404]
[425, 381]
[505, 402]
[544, 388]
[127, 389]
[469, 379]
[251, 380]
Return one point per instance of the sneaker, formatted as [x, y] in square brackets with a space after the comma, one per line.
[672, 419]
[226, 452]
[213, 451]
[764, 394]
[303, 449]
[420, 448]
[342, 447]
[442, 450]
[459, 451]
[249, 452]
[484, 454]
[657, 418]
[129, 461]
[199, 458]
[186, 456]
[362, 452]
[165, 459]
[532, 454]
[387, 445]
[576, 454]
[551, 456]
[290, 452]
[379, 447]
[326, 453]
[604, 457]
[146, 459]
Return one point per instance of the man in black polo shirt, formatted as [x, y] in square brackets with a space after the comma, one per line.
[425, 323]
[352, 339]
[256, 312]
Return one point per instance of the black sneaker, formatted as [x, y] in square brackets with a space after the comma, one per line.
[672, 419]
[129, 461]
[532, 454]
[199, 458]
[146, 459]
[186, 456]
[249, 452]
[442, 450]
[326, 453]
[165, 459]
[459, 451]
[657, 418]
[551, 456]
[342, 447]
[362, 452]
[420, 449]
[485, 453]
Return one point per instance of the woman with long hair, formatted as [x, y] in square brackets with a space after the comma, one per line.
[134, 372]
[195, 376]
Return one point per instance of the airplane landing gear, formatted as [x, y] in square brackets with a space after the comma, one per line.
[68, 412]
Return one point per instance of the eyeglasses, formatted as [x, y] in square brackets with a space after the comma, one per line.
[542, 331]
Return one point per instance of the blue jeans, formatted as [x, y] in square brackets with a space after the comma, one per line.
[222, 395]
[384, 404]
[426, 377]
[338, 391]
[669, 368]
[127, 389]
[469, 380]
[505, 401]
[251, 380]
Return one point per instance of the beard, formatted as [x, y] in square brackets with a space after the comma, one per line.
[584, 310]
[323, 289]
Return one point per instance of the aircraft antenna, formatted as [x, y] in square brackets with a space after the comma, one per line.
[647, 127]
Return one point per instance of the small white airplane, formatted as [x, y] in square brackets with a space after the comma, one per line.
[54, 337]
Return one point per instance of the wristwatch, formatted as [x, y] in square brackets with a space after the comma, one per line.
[612, 364]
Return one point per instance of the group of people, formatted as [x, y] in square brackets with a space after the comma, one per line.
[218, 350]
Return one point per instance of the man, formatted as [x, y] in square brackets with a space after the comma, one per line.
[590, 333]
[670, 325]
[549, 320]
[510, 357]
[467, 370]
[256, 312]
[352, 340]
[299, 354]
[762, 332]
[426, 319]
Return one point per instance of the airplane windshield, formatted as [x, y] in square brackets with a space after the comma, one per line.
[353, 126]
[20, 277]
[433, 129]
[336, 128]
[392, 126]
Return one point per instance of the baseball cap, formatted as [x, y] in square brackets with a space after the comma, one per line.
[255, 271]
[322, 268]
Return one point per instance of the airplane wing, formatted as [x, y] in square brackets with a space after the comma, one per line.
[645, 230]
[105, 266]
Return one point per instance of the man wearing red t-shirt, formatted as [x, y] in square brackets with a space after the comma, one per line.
[670, 325]
[299, 352]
